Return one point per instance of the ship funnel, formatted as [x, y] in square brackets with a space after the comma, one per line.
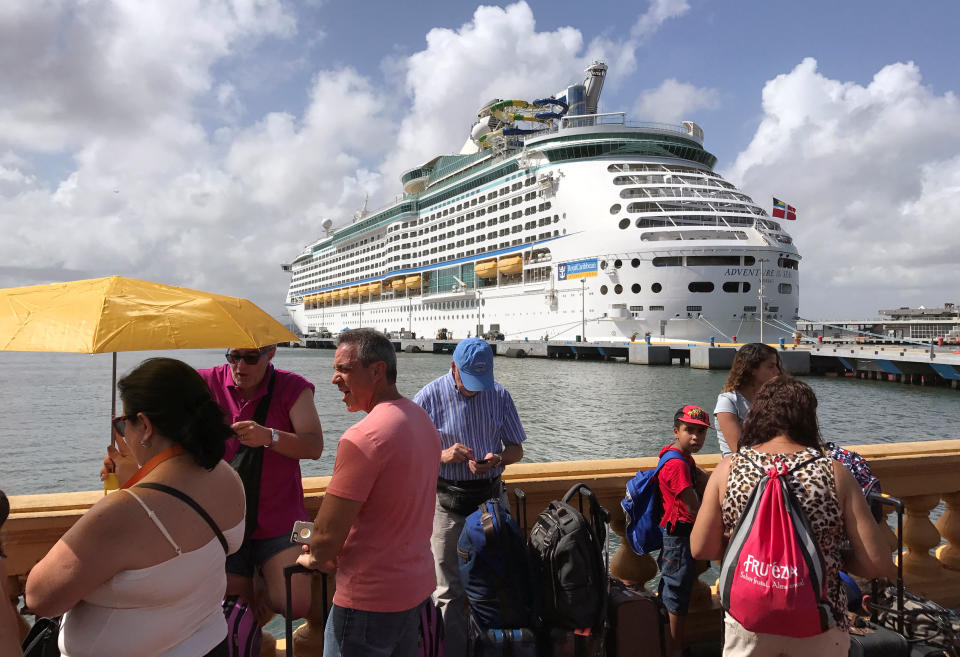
[593, 84]
[576, 100]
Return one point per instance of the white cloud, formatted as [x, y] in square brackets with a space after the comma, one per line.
[73, 71]
[675, 101]
[874, 173]
[161, 173]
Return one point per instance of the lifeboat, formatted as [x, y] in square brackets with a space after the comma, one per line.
[397, 284]
[373, 289]
[353, 292]
[486, 269]
[343, 294]
[413, 282]
[328, 297]
[511, 264]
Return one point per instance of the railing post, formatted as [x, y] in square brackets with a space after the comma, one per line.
[308, 638]
[919, 537]
[949, 528]
[634, 569]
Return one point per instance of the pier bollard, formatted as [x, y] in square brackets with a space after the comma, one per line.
[781, 344]
[626, 565]
[949, 527]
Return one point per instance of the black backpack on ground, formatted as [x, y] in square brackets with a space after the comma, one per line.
[568, 556]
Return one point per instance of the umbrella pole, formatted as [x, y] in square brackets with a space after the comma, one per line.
[113, 395]
[111, 482]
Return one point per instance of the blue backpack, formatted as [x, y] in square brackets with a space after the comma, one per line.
[643, 507]
[494, 569]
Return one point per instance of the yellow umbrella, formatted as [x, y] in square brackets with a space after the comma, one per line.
[102, 315]
[112, 314]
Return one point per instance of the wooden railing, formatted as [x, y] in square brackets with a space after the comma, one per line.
[922, 473]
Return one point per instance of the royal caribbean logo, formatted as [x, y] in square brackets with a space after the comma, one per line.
[577, 269]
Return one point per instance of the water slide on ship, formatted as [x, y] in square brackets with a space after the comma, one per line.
[502, 119]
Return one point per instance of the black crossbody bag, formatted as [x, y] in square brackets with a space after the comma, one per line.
[248, 462]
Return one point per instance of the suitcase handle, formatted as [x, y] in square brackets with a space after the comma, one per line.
[897, 504]
[521, 508]
[288, 573]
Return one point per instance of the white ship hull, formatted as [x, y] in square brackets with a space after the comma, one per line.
[607, 246]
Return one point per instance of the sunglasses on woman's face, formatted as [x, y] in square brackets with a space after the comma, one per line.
[234, 357]
[120, 424]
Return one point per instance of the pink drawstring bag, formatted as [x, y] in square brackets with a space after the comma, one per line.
[772, 577]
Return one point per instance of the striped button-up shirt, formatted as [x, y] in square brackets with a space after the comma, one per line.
[485, 422]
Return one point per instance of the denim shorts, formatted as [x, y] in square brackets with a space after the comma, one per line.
[255, 552]
[677, 572]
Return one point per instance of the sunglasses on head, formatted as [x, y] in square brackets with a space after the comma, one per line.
[120, 424]
[234, 357]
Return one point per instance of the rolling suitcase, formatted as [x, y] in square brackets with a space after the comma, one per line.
[870, 638]
[288, 573]
[635, 617]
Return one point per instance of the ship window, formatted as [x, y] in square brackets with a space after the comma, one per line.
[656, 307]
[784, 288]
[636, 308]
[694, 309]
[655, 288]
[516, 229]
[635, 263]
[711, 260]
[750, 309]
[746, 286]
[749, 261]
[773, 309]
[603, 264]
[617, 264]
[788, 263]
[731, 286]
[668, 261]
[635, 288]
[618, 288]
[483, 198]
[603, 289]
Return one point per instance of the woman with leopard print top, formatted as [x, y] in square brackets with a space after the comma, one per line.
[782, 426]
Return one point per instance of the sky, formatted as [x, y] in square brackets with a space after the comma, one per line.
[203, 142]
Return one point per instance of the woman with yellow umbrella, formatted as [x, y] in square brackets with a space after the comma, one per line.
[142, 573]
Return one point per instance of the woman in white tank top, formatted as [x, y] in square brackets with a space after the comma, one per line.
[142, 572]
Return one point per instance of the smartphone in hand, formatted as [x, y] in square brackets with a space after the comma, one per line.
[302, 532]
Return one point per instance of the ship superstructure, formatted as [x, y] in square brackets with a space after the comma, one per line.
[556, 221]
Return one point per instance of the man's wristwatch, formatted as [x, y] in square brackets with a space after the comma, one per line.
[274, 438]
[499, 460]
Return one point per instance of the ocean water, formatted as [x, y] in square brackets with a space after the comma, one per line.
[54, 427]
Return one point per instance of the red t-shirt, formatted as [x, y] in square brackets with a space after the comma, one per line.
[675, 477]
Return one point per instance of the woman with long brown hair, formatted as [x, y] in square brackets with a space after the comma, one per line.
[753, 365]
[782, 433]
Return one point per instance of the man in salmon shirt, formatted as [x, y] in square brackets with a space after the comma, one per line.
[376, 519]
[289, 431]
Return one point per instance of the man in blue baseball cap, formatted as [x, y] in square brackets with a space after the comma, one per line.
[480, 434]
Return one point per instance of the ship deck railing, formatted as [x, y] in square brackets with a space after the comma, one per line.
[923, 474]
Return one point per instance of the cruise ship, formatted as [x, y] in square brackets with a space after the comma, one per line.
[557, 222]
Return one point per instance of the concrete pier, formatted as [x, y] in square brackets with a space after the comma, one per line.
[711, 358]
[646, 354]
[899, 364]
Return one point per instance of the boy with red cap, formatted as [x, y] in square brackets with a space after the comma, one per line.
[681, 483]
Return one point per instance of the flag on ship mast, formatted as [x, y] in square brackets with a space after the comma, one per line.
[781, 210]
